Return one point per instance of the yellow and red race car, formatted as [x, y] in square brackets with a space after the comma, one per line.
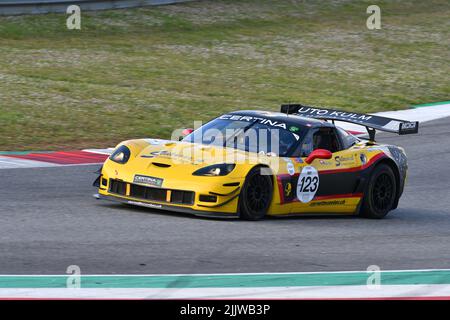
[250, 164]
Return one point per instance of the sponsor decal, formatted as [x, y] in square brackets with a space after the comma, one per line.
[363, 158]
[261, 120]
[408, 127]
[294, 129]
[298, 160]
[287, 189]
[308, 184]
[328, 203]
[340, 159]
[290, 168]
[151, 155]
[325, 163]
[288, 183]
[307, 111]
[147, 180]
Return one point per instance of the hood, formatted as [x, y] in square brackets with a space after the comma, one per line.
[170, 154]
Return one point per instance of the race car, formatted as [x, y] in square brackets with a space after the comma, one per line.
[250, 164]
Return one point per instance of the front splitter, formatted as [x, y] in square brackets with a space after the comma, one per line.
[159, 206]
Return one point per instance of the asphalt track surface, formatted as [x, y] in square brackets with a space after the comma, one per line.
[49, 220]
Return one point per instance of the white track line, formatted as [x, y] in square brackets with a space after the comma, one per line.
[100, 151]
[222, 274]
[423, 114]
[11, 163]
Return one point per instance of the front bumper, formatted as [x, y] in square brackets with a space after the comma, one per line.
[159, 206]
[173, 189]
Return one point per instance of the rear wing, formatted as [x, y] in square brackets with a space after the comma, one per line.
[371, 122]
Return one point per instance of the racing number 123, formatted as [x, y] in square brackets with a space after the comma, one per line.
[309, 184]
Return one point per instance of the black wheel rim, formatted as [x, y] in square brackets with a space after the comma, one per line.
[258, 194]
[383, 192]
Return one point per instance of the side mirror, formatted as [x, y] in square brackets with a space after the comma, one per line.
[185, 132]
[318, 154]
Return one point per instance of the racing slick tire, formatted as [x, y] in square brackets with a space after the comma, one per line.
[380, 194]
[256, 195]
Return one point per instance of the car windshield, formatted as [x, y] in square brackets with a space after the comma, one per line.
[253, 134]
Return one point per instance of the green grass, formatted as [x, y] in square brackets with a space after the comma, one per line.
[144, 72]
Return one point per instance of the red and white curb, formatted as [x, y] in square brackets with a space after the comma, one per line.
[421, 113]
[53, 159]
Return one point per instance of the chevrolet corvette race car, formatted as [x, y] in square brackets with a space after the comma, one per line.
[250, 164]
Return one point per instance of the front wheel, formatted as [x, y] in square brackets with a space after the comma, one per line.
[256, 195]
[380, 193]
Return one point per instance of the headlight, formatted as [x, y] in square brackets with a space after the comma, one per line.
[215, 170]
[120, 155]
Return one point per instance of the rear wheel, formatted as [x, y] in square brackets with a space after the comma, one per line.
[380, 193]
[256, 195]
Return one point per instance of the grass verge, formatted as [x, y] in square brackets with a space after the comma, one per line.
[144, 72]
